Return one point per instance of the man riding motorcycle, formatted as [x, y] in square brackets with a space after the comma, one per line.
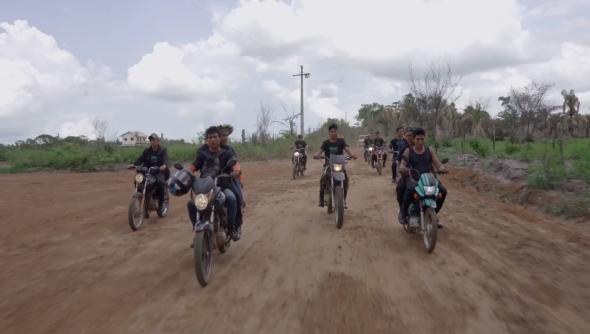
[379, 143]
[156, 156]
[401, 179]
[368, 142]
[424, 160]
[395, 145]
[337, 146]
[301, 146]
[210, 162]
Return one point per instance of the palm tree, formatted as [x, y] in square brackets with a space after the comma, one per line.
[478, 116]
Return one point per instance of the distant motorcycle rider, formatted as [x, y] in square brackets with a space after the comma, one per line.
[156, 156]
[401, 179]
[395, 145]
[210, 162]
[301, 146]
[379, 143]
[424, 160]
[337, 146]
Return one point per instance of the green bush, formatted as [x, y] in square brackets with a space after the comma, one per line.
[511, 148]
[479, 148]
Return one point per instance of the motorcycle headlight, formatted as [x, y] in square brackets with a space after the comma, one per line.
[139, 178]
[201, 201]
[429, 191]
[337, 167]
[296, 154]
[370, 149]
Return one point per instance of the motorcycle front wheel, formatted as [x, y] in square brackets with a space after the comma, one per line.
[135, 214]
[339, 201]
[295, 170]
[430, 229]
[202, 253]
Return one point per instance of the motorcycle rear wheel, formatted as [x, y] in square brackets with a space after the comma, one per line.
[203, 257]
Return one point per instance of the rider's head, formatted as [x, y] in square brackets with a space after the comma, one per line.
[154, 141]
[399, 131]
[376, 134]
[410, 135]
[420, 138]
[213, 138]
[224, 132]
[333, 131]
[299, 136]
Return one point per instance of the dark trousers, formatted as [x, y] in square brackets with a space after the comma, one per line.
[409, 192]
[393, 169]
[323, 184]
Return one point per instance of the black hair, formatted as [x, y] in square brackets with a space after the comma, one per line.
[419, 132]
[300, 136]
[212, 130]
[333, 126]
[398, 128]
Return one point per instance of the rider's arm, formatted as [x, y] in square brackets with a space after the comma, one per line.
[436, 164]
[404, 167]
[198, 163]
[164, 160]
[349, 152]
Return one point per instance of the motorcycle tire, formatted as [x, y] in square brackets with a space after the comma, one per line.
[295, 171]
[134, 215]
[431, 228]
[379, 168]
[339, 194]
[203, 256]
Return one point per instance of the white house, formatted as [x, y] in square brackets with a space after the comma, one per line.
[132, 138]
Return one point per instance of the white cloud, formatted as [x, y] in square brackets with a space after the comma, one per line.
[81, 127]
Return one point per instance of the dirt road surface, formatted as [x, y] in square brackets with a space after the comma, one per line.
[70, 263]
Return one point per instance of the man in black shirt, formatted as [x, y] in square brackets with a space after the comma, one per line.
[156, 156]
[423, 160]
[395, 145]
[301, 146]
[336, 146]
[211, 162]
[379, 144]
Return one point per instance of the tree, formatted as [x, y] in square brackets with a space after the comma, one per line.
[100, 127]
[529, 104]
[477, 117]
[370, 115]
[45, 139]
[435, 90]
[263, 122]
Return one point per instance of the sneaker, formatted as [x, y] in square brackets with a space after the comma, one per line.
[321, 204]
[345, 205]
[235, 236]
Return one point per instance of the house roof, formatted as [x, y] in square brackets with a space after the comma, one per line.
[134, 133]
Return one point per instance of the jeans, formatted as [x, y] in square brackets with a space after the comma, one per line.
[409, 191]
[231, 203]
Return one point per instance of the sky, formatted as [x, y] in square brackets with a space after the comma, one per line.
[176, 67]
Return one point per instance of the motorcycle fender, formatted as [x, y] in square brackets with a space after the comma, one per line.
[430, 203]
[338, 176]
[202, 225]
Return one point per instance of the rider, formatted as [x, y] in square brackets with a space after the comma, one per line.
[401, 179]
[368, 143]
[395, 145]
[337, 146]
[300, 145]
[424, 160]
[210, 162]
[156, 156]
[379, 143]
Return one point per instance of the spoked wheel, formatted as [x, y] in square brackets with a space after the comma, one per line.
[136, 213]
[202, 253]
[339, 206]
[329, 202]
[379, 167]
[295, 170]
[431, 228]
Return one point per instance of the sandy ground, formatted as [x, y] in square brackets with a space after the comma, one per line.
[70, 263]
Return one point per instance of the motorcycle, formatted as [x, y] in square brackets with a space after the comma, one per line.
[145, 197]
[334, 189]
[211, 230]
[377, 158]
[369, 154]
[422, 211]
[298, 163]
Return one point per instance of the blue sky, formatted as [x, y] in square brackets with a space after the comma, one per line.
[178, 66]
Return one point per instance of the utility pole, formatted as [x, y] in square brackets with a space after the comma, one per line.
[302, 75]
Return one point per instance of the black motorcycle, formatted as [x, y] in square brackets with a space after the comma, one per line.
[145, 197]
[334, 188]
[211, 229]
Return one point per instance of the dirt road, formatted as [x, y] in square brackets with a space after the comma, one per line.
[70, 263]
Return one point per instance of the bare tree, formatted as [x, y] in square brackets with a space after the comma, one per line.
[530, 105]
[100, 127]
[437, 88]
[263, 122]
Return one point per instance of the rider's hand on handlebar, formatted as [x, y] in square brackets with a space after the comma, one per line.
[317, 157]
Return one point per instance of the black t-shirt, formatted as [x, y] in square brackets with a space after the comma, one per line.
[300, 143]
[205, 147]
[151, 158]
[368, 141]
[379, 142]
[212, 163]
[336, 147]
